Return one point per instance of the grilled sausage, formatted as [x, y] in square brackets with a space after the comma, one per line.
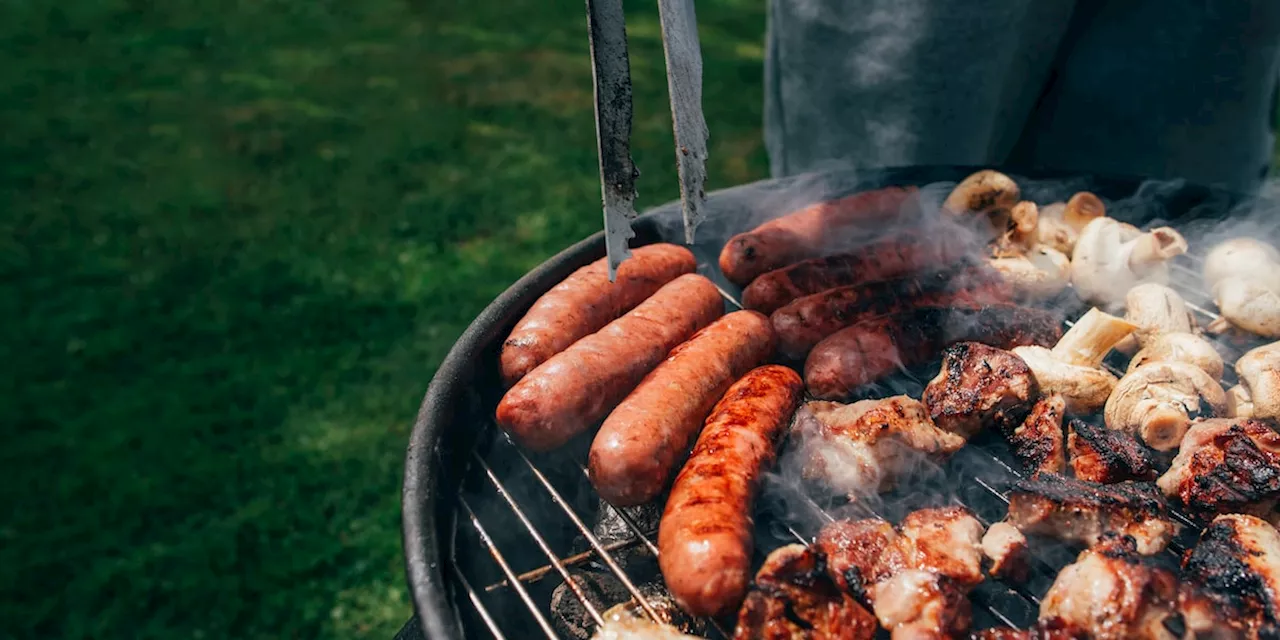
[895, 257]
[805, 322]
[810, 232]
[704, 537]
[872, 349]
[569, 393]
[639, 445]
[586, 301]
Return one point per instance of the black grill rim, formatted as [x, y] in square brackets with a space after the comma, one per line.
[438, 445]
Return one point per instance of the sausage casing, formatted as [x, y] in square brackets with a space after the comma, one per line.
[585, 302]
[705, 535]
[574, 389]
[642, 441]
[894, 257]
[810, 232]
[867, 351]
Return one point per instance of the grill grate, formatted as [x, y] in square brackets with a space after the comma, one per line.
[552, 501]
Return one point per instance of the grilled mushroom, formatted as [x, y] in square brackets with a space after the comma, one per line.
[1112, 257]
[1180, 347]
[1041, 272]
[1239, 404]
[1243, 275]
[1156, 309]
[1259, 373]
[984, 192]
[1242, 257]
[1060, 223]
[1071, 368]
[1157, 402]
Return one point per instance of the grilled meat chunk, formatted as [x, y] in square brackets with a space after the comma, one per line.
[792, 598]
[1037, 442]
[1078, 511]
[861, 553]
[1113, 593]
[862, 448]
[1235, 572]
[945, 540]
[1006, 547]
[1226, 465]
[917, 604]
[1099, 454]
[978, 386]
[1051, 629]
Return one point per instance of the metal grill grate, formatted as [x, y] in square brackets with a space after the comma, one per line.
[522, 519]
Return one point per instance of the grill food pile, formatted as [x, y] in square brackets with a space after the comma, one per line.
[1144, 465]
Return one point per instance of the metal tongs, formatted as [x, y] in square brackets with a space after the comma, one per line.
[611, 73]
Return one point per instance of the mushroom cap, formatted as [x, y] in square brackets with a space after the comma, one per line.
[1249, 304]
[1056, 234]
[1180, 346]
[985, 191]
[1156, 309]
[1085, 389]
[1259, 373]
[1241, 257]
[1157, 402]
[1082, 209]
[1042, 272]
[1239, 404]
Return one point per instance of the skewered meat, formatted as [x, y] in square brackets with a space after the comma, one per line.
[1235, 572]
[894, 257]
[569, 393]
[1077, 511]
[704, 537]
[585, 302]
[863, 448]
[1107, 456]
[872, 349]
[1006, 547]
[917, 604]
[811, 232]
[1037, 443]
[793, 598]
[635, 453]
[1226, 465]
[979, 386]
[803, 323]
[1113, 593]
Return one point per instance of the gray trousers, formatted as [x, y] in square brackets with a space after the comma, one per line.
[1153, 88]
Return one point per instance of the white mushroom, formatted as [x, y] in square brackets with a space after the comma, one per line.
[1243, 275]
[1060, 223]
[984, 192]
[1157, 402]
[1156, 309]
[1239, 404]
[1041, 272]
[1242, 257]
[1259, 373]
[1180, 346]
[1072, 367]
[1112, 257]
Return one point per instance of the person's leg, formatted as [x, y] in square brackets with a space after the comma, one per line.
[899, 82]
[1164, 89]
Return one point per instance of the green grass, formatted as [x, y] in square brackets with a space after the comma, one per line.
[239, 238]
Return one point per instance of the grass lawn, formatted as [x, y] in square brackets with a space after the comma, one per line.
[240, 237]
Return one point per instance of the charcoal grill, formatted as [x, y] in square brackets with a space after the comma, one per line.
[492, 531]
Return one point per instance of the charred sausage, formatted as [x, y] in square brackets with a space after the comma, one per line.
[805, 322]
[569, 393]
[639, 445]
[895, 257]
[872, 349]
[586, 301]
[704, 537]
[811, 232]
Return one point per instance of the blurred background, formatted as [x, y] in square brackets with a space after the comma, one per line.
[239, 236]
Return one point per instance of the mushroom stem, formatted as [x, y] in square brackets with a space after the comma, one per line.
[1163, 425]
[1087, 343]
[1155, 248]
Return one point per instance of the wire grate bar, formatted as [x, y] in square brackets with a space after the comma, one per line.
[475, 602]
[506, 570]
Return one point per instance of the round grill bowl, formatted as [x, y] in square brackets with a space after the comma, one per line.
[453, 412]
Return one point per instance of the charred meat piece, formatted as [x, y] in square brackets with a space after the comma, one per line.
[862, 448]
[861, 553]
[1052, 629]
[1037, 442]
[1099, 454]
[916, 604]
[945, 540]
[1006, 547]
[1113, 593]
[793, 598]
[979, 386]
[1226, 465]
[1235, 572]
[1078, 511]
[871, 349]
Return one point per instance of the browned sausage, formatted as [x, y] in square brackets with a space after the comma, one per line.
[704, 538]
[872, 349]
[586, 301]
[805, 322]
[895, 257]
[641, 442]
[569, 393]
[811, 232]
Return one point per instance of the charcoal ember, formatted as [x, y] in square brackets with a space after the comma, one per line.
[610, 597]
[612, 529]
